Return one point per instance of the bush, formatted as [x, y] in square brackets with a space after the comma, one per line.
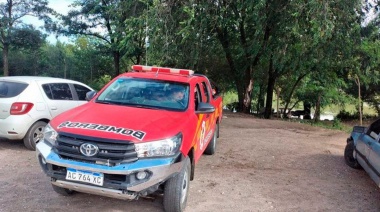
[337, 124]
[345, 115]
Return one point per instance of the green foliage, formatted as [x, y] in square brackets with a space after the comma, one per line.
[28, 37]
[12, 31]
[337, 124]
[116, 24]
[304, 49]
[229, 97]
[99, 83]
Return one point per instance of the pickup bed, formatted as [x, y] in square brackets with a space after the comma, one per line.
[142, 133]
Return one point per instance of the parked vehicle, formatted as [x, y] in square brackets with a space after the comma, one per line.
[143, 132]
[363, 150]
[28, 103]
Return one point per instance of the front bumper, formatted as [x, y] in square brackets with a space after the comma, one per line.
[120, 181]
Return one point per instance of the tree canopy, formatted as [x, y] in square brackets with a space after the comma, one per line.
[312, 52]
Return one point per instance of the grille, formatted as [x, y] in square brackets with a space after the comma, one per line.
[111, 152]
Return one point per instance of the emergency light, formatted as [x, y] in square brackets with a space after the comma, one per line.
[162, 70]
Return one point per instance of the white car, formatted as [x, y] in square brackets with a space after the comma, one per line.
[28, 103]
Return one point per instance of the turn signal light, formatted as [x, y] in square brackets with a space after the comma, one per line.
[20, 108]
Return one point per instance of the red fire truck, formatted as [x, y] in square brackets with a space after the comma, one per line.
[142, 133]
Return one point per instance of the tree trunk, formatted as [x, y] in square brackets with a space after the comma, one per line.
[35, 62]
[64, 68]
[116, 62]
[260, 99]
[247, 97]
[357, 80]
[5, 59]
[287, 101]
[278, 101]
[317, 113]
[307, 110]
[270, 89]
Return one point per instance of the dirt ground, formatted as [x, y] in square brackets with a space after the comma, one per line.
[259, 165]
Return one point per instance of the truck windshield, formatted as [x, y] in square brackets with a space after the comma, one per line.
[146, 93]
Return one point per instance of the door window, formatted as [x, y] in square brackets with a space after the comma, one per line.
[81, 91]
[58, 91]
[197, 96]
[205, 92]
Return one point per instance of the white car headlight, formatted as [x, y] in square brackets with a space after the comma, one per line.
[50, 135]
[160, 148]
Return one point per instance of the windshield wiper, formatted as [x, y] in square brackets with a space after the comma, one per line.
[108, 102]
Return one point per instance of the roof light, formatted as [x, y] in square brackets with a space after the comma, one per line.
[162, 70]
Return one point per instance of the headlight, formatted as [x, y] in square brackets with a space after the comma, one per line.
[50, 135]
[166, 147]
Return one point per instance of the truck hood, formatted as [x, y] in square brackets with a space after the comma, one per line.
[120, 122]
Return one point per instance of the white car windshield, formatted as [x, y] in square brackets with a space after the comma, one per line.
[147, 93]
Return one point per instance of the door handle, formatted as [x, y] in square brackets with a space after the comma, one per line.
[53, 108]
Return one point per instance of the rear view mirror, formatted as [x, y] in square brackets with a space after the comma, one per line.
[205, 108]
[90, 95]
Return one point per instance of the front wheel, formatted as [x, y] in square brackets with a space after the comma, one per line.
[177, 189]
[34, 135]
[349, 155]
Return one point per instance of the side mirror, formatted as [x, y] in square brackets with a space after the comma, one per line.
[90, 95]
[204, 108]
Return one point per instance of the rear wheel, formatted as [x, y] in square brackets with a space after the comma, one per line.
[211, 147]
[349, 155]
[34, 135]
[62, 191]
[177, 189]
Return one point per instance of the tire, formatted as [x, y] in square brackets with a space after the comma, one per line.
[349, 155]
[217, 124]
[176, 190]
[210, 149]
[62, 191]
[34, 135]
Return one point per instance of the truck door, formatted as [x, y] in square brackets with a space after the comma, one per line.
[202, 94]
[373, 146]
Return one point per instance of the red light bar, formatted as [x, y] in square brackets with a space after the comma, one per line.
[162, 70]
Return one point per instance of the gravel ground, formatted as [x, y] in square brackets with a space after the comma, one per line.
[259, 165]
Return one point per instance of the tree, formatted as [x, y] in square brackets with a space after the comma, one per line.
[26, 51]
[103, 19]
[238, 28]
[11, 13]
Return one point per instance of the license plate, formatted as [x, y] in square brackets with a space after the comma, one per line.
[85, 176]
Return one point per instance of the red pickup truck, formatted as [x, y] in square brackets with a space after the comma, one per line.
[142, 133]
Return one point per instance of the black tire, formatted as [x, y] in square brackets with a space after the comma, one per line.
[349, 155]
[217, 130]
[177, 190]
[211, 147]
[62, 191]
[34, 135]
